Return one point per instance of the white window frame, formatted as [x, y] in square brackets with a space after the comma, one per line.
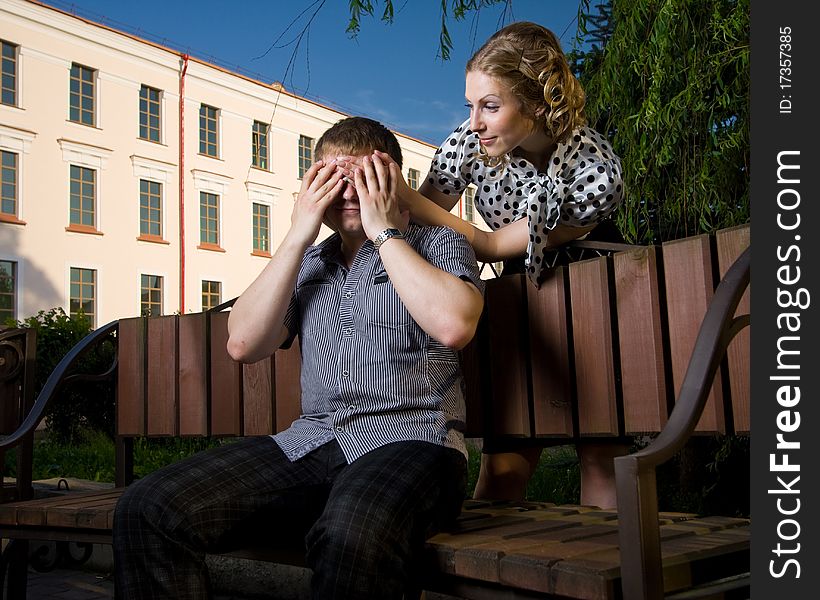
[19, 142]
[98, 121]
[158, 172]
[92, 157]
[162, 95]
[97, 290]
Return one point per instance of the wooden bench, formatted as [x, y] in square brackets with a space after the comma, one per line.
[600, 350]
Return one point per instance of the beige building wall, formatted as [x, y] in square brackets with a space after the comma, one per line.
[37, 128]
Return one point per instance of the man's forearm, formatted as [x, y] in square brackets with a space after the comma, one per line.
[446, 307]
[256, 323]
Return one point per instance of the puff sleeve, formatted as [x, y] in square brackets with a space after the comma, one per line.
[455, 161]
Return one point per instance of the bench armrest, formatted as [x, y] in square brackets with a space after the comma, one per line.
[59, 377]
[641, 567]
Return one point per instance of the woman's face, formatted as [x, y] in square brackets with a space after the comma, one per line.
[496, 115]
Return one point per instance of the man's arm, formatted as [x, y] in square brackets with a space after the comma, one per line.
[256, 325]
[445, 306]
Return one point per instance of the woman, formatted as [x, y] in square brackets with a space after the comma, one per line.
[542, 179]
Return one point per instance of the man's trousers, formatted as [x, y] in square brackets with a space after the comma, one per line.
[365, 522]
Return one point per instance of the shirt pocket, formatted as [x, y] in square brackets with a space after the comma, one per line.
[384, 305]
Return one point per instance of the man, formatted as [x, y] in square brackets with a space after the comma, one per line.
[376, 461]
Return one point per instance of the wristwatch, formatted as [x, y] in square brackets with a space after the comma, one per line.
[386, 235]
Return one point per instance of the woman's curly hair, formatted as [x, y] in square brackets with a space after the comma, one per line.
[528, 59]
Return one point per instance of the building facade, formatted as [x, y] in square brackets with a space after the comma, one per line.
[138, 179]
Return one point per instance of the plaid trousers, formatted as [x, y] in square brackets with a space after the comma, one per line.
[366, 522]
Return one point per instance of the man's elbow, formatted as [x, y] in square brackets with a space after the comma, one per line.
[238, 350]
[457, 332]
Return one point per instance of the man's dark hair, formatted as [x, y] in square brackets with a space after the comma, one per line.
[360, 135]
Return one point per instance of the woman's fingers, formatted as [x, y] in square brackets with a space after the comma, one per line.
[393, 170]
[386, 158]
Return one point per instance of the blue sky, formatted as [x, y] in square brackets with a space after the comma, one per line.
[390, 72]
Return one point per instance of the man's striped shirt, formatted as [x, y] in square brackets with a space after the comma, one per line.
[370, 373]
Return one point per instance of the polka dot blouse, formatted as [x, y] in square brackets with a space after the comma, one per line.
[581, 187]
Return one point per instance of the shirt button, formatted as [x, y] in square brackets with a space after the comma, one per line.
[353, 407]
[345, 373]
[339, 429]
[348, 294]
[348, 330]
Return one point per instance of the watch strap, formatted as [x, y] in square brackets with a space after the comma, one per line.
[385, 235]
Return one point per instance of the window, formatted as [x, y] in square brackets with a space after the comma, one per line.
[82, 209]
[261, 228]
[83, 295]
[150, 295]
[208, 218]
[259, 144]
[8, 184]
[8, 290]
[211, 294]
[208, 131]
[150, 208]
[469, 204]
[8, 73]
[149, 114]
[413, 179]
[305, 154]
[82, 95]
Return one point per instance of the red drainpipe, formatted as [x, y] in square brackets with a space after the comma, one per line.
[182, 184]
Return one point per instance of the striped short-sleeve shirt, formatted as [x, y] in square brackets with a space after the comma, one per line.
[370, 374]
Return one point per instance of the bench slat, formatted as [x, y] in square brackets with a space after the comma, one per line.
[508, 355]
[226, 381]
[549, 341]
[162, 376]
[640, 339]
[689, 288]
[257, 391]
[130, 379]
[730, 245]
[193, 374]
[592, 345]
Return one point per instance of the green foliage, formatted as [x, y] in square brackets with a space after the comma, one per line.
[86, 404]
[460, 9]
[671, 90]
[91, 455]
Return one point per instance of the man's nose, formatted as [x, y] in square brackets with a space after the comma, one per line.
[349, 192]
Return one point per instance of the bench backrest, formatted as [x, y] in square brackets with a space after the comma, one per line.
[599, 350]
